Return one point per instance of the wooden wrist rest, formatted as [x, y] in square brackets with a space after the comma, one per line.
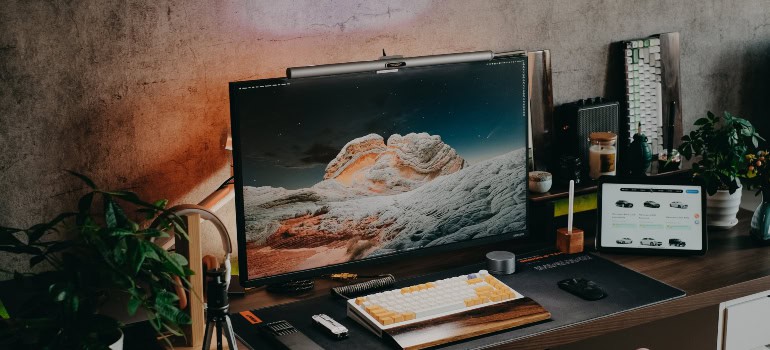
[497, 317]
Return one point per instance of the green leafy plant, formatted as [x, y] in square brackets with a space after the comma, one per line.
[95, 254]
[721, 144]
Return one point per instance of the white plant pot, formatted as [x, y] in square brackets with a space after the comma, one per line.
[722, 208]
[118, 345]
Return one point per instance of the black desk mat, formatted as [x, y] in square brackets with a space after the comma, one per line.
[626, 290]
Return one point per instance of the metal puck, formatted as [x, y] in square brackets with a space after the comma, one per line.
[501, 262]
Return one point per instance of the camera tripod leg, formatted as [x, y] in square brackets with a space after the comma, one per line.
[229, 334]
[207, 335]
[219, 334]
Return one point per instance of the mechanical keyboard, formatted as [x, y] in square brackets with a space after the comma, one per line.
[644, 91]
[395, 308]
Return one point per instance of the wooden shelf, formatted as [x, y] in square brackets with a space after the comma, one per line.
[559, 192]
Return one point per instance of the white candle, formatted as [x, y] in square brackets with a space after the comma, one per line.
[601, 161]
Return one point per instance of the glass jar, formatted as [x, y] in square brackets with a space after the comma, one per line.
[602, 155]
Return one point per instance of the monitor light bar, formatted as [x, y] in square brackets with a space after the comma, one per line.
[393, 62]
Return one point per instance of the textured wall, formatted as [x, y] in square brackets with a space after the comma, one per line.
[134, 93]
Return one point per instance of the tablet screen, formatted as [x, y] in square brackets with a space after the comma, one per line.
[651, 216]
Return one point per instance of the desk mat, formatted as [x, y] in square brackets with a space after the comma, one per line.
[535, 277]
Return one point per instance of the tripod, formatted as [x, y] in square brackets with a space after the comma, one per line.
[217, 309]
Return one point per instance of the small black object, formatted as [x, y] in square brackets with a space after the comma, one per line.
[588, 290]
[217, 311]
[284, 335]
[577, 120]
[292, 287]
[330, 326]
[639, 155]
[570, 168]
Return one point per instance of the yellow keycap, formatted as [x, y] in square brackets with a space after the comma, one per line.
[387, 320]
[483, 288]
[398, 318]
[360, 300]
[484, 293]
[474, 280]
[371, 308]
[409, 316]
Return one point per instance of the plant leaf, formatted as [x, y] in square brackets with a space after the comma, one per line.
[36, 260]
[133, 305]
[161, 203]
[7, 237]
[109, 213]
[83, 178]
[37, 231]
[149, 251]
[120, 232]
[702, 121]
[25, 249]
[135, 256]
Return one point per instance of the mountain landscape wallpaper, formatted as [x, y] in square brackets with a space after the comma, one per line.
[344, 168]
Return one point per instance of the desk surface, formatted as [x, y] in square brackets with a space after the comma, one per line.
[733, 267]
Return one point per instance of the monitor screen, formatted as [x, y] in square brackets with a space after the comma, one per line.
[344, 169]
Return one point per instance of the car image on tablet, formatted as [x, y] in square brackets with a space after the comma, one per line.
[676, 242]
[624, 204]
[678, 204]
[650, 242]
[624, 240]
[651, 204]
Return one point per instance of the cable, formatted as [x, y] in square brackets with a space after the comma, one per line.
[227, 182]
[352, 290]
[306, 285]
[292, 287]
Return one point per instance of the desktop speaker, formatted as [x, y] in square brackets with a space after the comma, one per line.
[579, 119]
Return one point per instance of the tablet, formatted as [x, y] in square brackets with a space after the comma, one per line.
[651, 215]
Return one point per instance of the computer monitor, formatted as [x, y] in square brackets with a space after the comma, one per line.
[338, 170]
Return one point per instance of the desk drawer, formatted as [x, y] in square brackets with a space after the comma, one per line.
[746, 323]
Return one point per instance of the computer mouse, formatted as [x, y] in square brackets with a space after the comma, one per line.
[586, 289]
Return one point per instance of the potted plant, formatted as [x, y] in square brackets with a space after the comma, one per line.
[720, 144]
[94, 254]
[757, 176]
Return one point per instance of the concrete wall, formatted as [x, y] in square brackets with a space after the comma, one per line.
[134, 93]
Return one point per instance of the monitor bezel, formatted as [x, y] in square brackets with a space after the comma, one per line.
[244, 279]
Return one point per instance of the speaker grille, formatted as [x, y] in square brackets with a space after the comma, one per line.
[595, 118]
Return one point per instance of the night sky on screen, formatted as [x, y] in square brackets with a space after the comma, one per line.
[289, 133]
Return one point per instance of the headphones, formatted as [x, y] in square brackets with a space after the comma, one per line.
[210, 262]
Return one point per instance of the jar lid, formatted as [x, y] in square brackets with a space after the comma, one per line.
[603, 136]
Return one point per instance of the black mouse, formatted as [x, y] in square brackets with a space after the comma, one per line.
[588, 290]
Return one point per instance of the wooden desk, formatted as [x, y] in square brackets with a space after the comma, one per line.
[734, 267]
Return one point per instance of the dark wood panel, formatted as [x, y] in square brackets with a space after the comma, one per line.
[513, 313]
[669, 67]
[541, 107]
